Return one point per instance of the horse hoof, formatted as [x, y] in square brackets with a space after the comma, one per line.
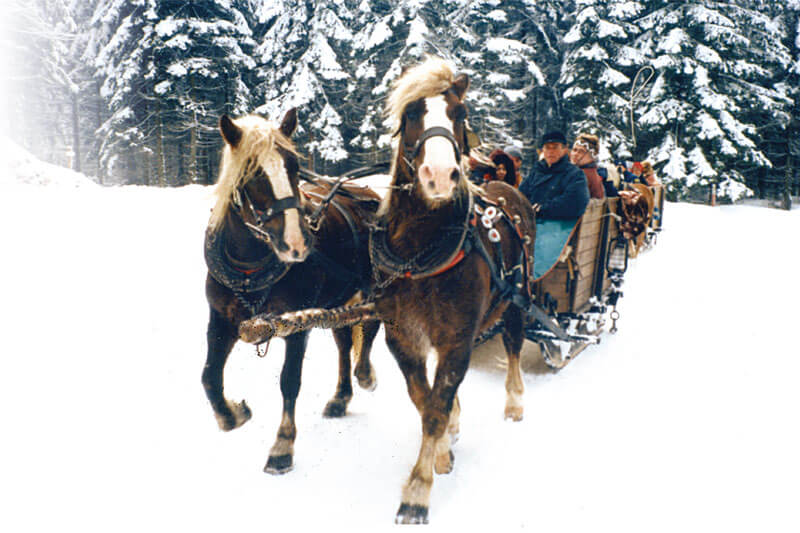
[514, 413]
[280, 464]
[240, 413]
[367, 382]
[444, 463]
[336, 408]
[411, 514]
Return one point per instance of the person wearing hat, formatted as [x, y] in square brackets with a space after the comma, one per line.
[556, 185]
[515, 153]
[584, 156]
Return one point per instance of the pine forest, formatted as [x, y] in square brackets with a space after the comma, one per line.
[131, 91]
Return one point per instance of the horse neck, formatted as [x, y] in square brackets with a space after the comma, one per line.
[240, 242]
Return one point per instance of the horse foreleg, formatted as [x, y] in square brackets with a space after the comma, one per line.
[513, 336]
[337, 406]
[221, 336]
[363, 336]
[281, 455]
[435, 448]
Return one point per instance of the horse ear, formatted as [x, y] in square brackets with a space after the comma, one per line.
[230, 131]
[289, 123]
[460, 85]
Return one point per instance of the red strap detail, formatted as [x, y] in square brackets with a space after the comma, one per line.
[247, 272]
[456, 260]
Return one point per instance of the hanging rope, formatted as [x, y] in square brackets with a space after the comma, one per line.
[636, 91]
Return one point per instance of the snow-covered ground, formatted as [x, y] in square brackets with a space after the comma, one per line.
[685, 420]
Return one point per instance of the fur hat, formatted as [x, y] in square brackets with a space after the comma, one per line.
[590, 142]
[554, 136]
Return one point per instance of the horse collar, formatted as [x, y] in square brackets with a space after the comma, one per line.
[442, 254]
[241, 276]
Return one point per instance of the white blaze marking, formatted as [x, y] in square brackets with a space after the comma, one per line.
[282, 188]
[442, 148]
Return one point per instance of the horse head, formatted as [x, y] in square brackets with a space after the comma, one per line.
[259, 184]
[427, 104]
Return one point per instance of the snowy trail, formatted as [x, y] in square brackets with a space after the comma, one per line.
[684, 420]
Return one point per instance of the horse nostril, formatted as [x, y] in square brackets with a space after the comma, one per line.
[455, 175]
[295, 254]
[431, 185]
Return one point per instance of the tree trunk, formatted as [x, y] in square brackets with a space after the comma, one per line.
[193, 150]
[160, 147]
[76, 136]
[789, 172]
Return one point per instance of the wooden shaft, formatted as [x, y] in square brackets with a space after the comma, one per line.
[263, 327]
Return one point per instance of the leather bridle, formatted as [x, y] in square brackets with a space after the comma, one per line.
[436, 131]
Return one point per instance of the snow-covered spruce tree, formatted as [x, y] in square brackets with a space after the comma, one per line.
[781, 137]
[169, 70]
[599, 70]
[199, 62]
[298, 66]
[492, 41]
[43, 42]
[387, 38]
[792, 172]
[126, 150]
[698, 123]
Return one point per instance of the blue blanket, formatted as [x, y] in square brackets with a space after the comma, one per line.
[551, 237]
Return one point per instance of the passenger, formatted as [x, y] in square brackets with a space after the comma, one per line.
[505, 169]
[556, 185]
[649, 174]
[584, 156]
[608, 172]
[515, 153]
[630, 172]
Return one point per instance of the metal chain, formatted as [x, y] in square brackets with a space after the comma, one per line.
[254, 308]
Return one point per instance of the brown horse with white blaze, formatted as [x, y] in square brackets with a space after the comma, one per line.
[263, 257]
[448, 258]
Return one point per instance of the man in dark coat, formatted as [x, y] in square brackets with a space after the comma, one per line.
[558, 186]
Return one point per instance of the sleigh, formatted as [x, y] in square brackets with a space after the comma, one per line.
[579, 271]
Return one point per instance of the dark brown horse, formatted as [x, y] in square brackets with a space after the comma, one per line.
[449, 258]
[263, 257]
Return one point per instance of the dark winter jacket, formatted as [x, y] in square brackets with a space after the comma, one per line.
[611, 189]
[561, 190]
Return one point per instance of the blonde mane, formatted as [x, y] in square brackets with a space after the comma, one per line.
[433, 76]
[258, 148]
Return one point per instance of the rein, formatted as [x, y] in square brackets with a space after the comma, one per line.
[315, 219]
